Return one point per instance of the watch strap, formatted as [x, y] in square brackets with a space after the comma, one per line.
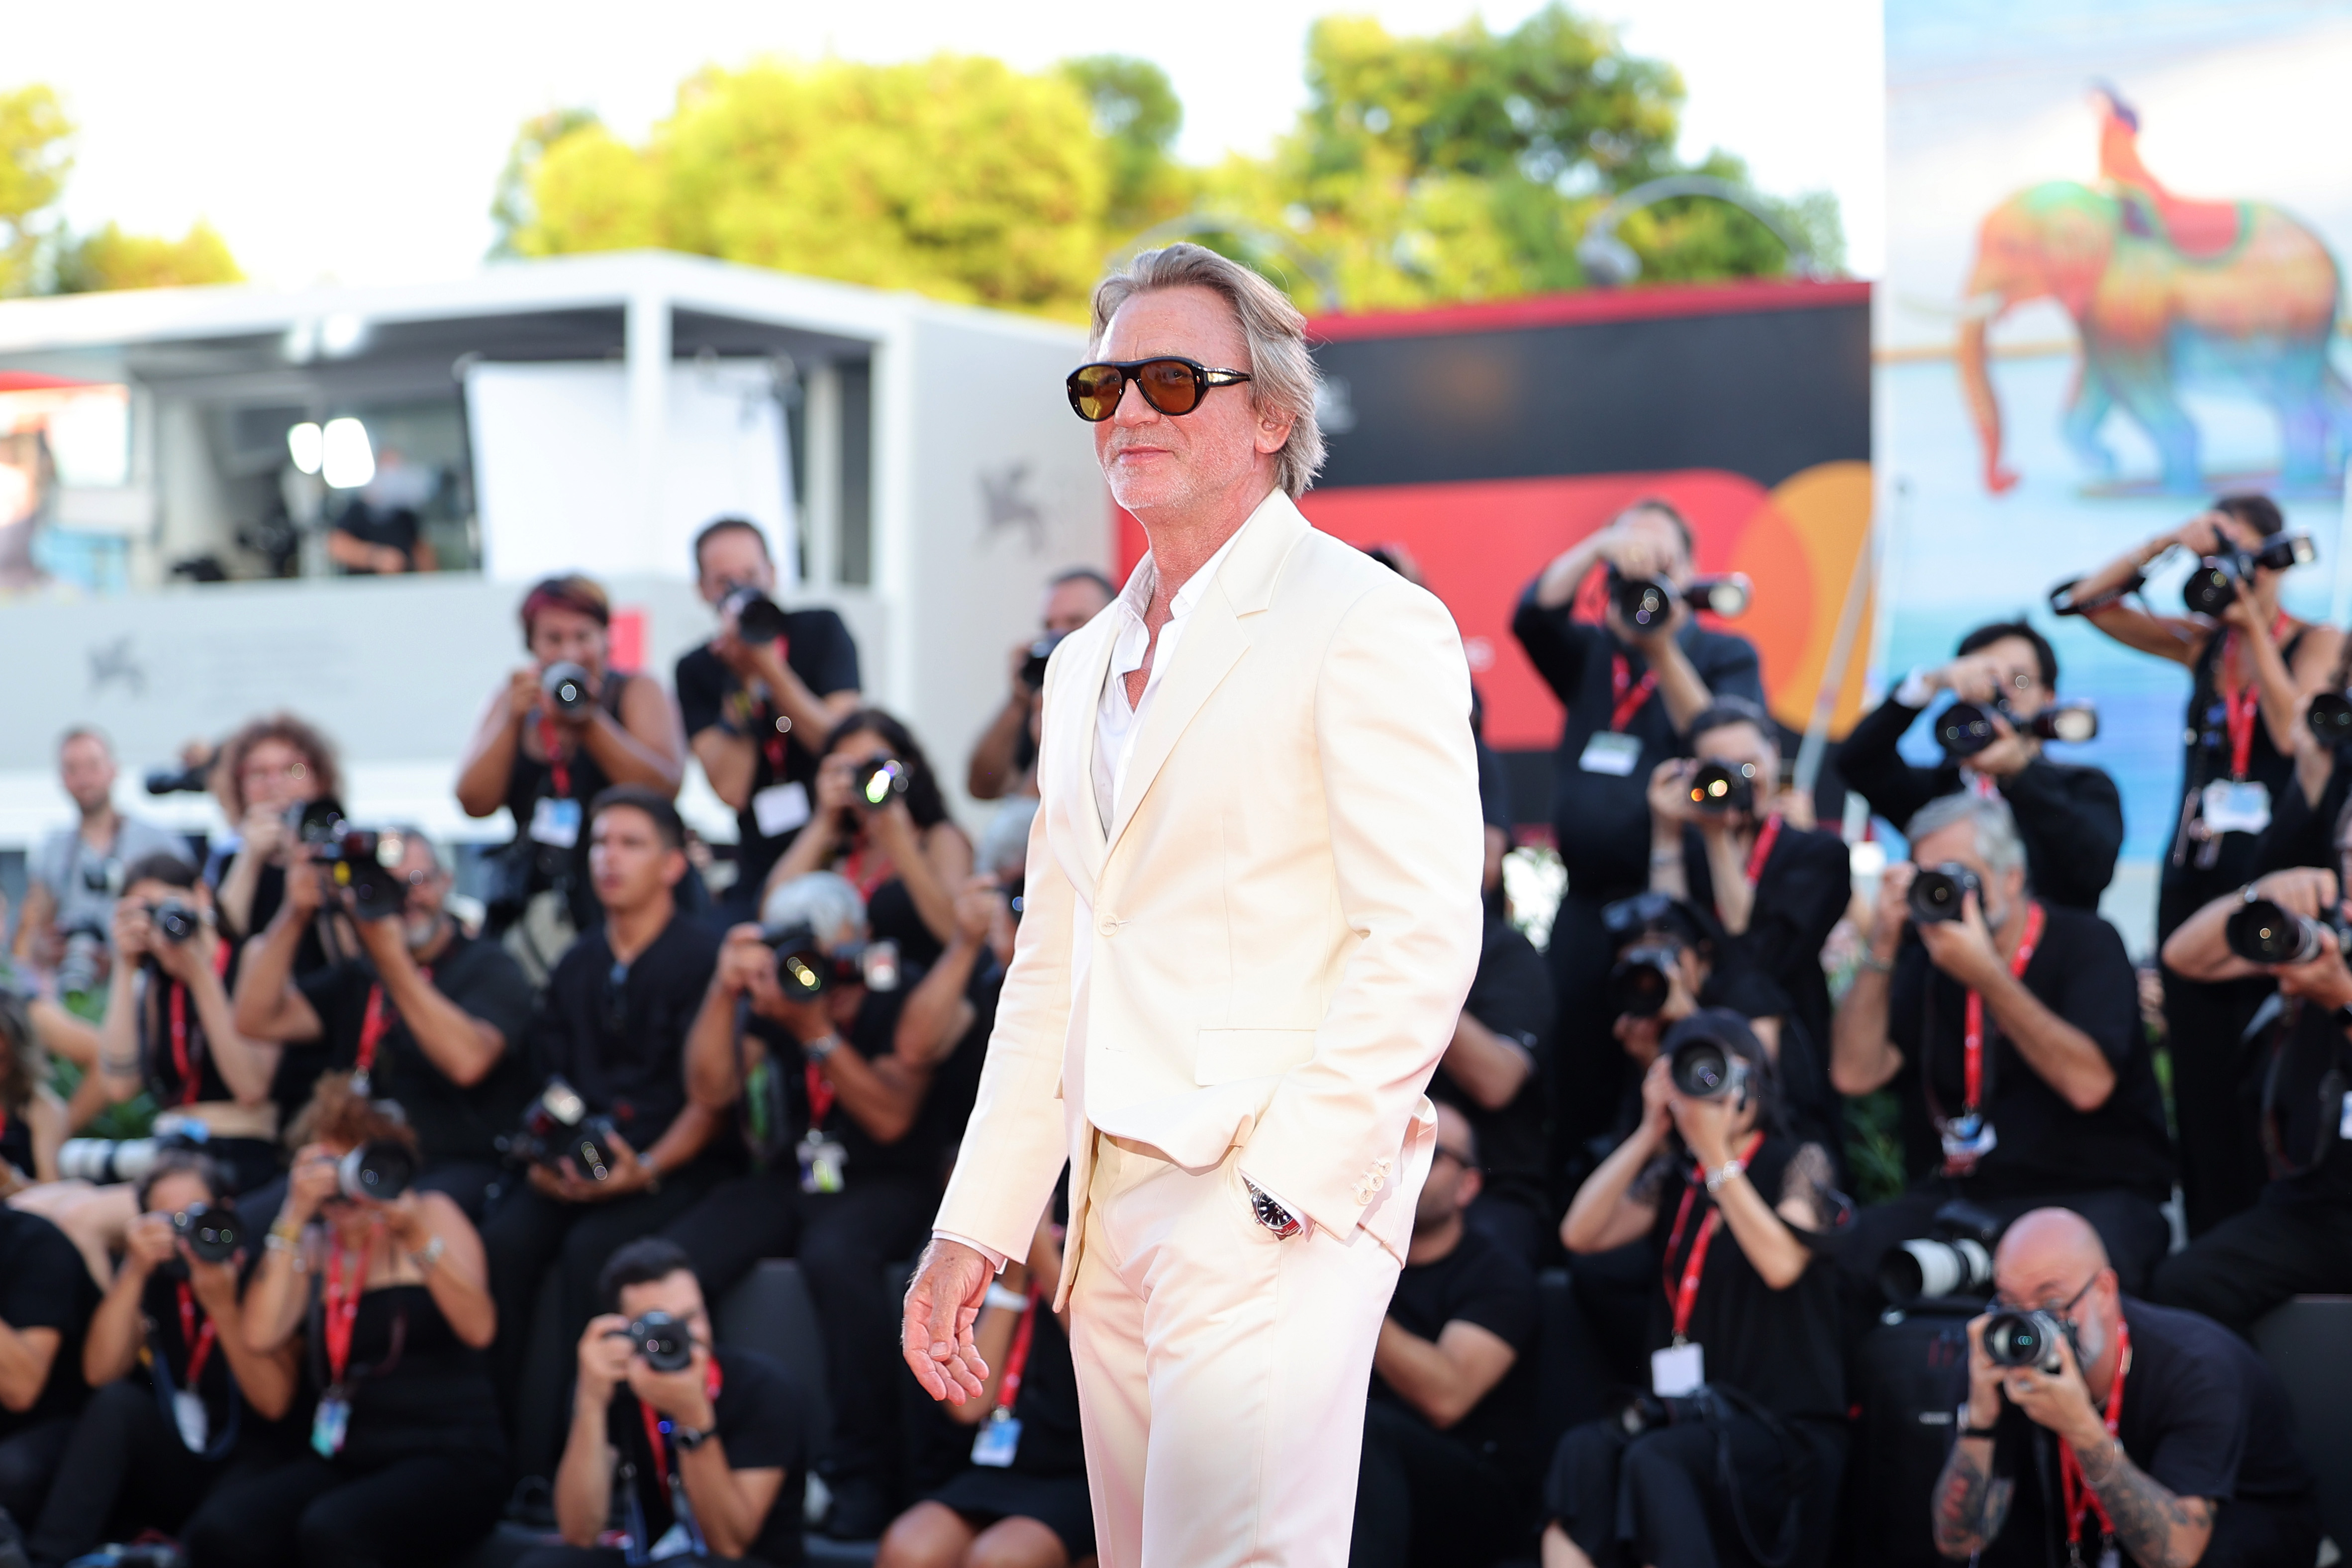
[689, 1438]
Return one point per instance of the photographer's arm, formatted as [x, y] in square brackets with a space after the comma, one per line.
[711, 1079]
[1970, 1503]
[1567, 571]
[109, 1347]
[245, 1066]
[688, 1133]
[1771, 1248]
[2157, 1527]
[25, 1357]
[39, 913]
[1489, 1068]
[2280, 690]
[937, 1012]
[461, 1047]
[991, 773]
[233, 899]
[1863, 1055]
[730, 1504]
[813, 848]
[266, 1378]
[883, 1096]
[459, 1278]
[1681, 687]
[1871, 765]
[584, 1477]
[643, 746]
[1605, 1213]
[2199, 948]
[933, 862]
[2061, 1055]
[1444, 1378]
[487, 766]
[2175, 637]
[729, 761]
[269, 1006]
[118, 1030]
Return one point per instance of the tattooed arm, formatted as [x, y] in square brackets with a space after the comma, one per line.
[1971, 1503]
[2158, 1529]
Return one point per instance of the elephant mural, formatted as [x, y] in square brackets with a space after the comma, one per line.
[2252, 308]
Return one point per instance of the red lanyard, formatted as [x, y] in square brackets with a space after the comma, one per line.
[558, 770]
[2079, 1495]
[773, 741]
[1686, 1297]
[1972, 1041]
[1016, 1360]
[200, 1346]
[853, 866]
[374, 1026]
[182, 1062]
[1628, 696]
[342, 1311]
[820, 1093]
[658, 1440]
[1765, 836]
[2240, 707]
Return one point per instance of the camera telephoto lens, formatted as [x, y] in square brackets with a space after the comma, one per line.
[566, 684]
[1918, 1270]
[175, 922]
[1703, 1069]
[381, 1171]
[663, 1341]
[2073, 723]
[1965, 729]
[1640, 982]
[2288, 550]
[1725, 597]
[2261, 931]
[880, 779]
[2023, 1339]
[2213, 585]
[316, 822]
[1936, 895]
[104, 1161]
[2330, 718]
[1644, 603]
[803, 969]
[213, 1234]
[1723, 787]
[758, 619]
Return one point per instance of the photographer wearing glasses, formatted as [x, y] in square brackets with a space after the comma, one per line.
[616, 1149]
[2198, 1466]
[425, 1015]
[73, 878]
[759, 699]
[705, 1441]
[1005, 755]
[2070, 817]
[1630, 693]
[1737, 1451]
[2010, 1030]
[2250, 664]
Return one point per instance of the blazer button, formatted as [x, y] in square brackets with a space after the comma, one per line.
[1376, 1181]
[1107, 925]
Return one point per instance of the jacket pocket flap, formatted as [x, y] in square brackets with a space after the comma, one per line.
[1222, 1056]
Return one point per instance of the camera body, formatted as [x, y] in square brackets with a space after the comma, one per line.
[1645, 603]
[1719, 787]
[175, 921]
[2218, 579]
[662, 1339]
[1964, 729]
[213, 1234]
[362, 861]
[559, 1123]
[1954, 1259]
[567, 688]
[2028, 1339]
[2262, 931]
[379, 1171]
[1936, 892]
[2330, 718]
[758, 619]
[804, 970]
[183, 779]
[1642, 978]
[1033, 668]
[82, 965]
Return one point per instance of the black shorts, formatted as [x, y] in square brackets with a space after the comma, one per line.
[985, 1495]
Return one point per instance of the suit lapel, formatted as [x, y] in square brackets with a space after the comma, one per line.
[1080, 694]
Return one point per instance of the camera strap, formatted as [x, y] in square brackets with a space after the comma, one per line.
[182, 1058]
[342, 1311]
[1683, 1299]
[665, 1471]
[2079, 1497]
[1626, 695]
[1765, 836]
[200, 1344]
[1016, 1359]
[374, 1026]
[1973, 1026]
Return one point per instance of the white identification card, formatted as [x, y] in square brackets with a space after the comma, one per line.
[556, 822]
[196, 1426]
[822, 1161]
[998, 1440]
[1609, 752]
[2237, 805]
[780, 808]
[2344, 1123]
[1678, 1370]
[675, 1542]
[2109, 1557]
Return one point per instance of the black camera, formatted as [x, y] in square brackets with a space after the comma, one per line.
[315, 822]
[880, 779]
[1647, 602]
[1702, 1069]
[1637, 1413]
[82, 965]
[1937, 894]
[1964, 729]
[2215, 582]
[212, 1234]
[1642, 978]
[804, 970]
[1717, 787]
[187, 778]
[102, 876]
[366, 864]
[559, 1124]
[662, 1339]
[758, 619]
[1033, 668]
[2262, 931]
[1954, 1259]
[2330, 718]
[2026, 1339]
[379, 1171]
[568, 687]
[175, 922]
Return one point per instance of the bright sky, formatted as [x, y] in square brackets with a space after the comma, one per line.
[362, 143]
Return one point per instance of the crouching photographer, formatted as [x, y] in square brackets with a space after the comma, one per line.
[707, 1443]
[425, 1015]
[2289, 926]
[2010, 1030]
[178, 1388]
[2196, 1468]
[1736, 1452]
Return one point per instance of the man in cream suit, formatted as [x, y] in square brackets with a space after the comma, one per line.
[1252, 916]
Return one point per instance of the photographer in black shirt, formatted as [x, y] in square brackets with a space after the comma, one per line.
[1493, 1072]
[2012, 1036]
[612, 1025]
[709, 1457]
[2070, 817]
[46, 1300]
[759, 703]
[1629, 696]
[426, 1016]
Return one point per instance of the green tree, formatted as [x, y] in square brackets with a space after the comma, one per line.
[111, 258]
[1138, 114]
[36, 155]
[510, 208]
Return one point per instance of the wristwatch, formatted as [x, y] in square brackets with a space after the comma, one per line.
[689, 1438]
[1961, 1421]
[823, 1045]
[1724, 1172]
[1272, 1214]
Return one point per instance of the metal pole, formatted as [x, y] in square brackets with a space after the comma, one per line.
[1848, 629]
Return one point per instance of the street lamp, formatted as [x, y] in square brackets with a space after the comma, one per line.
[1608, 261]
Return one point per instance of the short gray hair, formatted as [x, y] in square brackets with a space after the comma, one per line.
[1283, 377]
[828, 902]
[1997, 845]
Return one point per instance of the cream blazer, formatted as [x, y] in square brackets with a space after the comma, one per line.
[1282, 922]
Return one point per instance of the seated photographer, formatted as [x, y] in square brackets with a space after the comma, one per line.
[1004, 758]
[2011, 1030]
[863, 1178]
[612, 1027]
[1495, 1072]
[1737, 1452]
[760, 702]
[46, 1296]
[378, 1293]
[71, 880]
[261, 775]
[2196, 1468]
[32, 1117]
[425, 1015]
[2298, 1238]
[708, 1441]
[1447, 1465]
[561, 730]
[1718, 838]
[882, 823]
[2070, 817]
[177, 1390]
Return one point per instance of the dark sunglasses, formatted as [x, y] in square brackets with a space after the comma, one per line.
[1170, 384]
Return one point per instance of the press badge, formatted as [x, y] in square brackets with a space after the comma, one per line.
[1608, 751]
[2344, 1120]
[329, 1425]
[196, 1426]
[556, 822]
[2236, 805]
[780, 808]
[1966, 1140]
[1678, 1370]
[822, 1159]
[1000, 1436]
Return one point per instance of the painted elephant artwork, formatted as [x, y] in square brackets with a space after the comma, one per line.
[2166, 293]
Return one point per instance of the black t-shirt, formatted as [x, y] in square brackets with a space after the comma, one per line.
[1601, 820]
[916, 1154]
[2044, 1146]
[760, 1414]
[1477, 1282]
[43, 1284]
[396, 527]
[1511, 995]
[819, 650]
[1802, 888]
[618, 1035]
[2202, 1414]
[160, 1304]
[452, 1122]
[2306, 1079]
[178, 1064]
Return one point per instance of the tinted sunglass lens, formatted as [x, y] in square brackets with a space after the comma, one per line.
[1169, 384]
[1094, 391]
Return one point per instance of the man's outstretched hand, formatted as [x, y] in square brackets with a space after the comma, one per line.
[951, 1280]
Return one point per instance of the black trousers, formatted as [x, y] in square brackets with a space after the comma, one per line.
[2254, 1261]
[608, 1557]
[290, 1509]
[533, 1240]
[2132, 1227]
[1659, 1499]
[123, 1470]
[742, 1220]
[27, 1460]
[2216, 1096]
[849, 1239]
[1425, 1501]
